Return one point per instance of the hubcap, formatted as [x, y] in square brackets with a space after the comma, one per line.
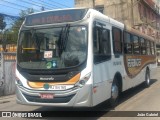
[114, 92]
[148, 80]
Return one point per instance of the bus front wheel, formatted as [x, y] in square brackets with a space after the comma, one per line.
[114, 93]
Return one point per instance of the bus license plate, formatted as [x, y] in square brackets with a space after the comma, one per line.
[46, 96]
[61, 87]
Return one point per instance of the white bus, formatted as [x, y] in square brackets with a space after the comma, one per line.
[79, 57]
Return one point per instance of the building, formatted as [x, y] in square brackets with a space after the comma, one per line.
[142, 15]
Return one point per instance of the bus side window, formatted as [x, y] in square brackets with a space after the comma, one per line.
[143, 46]
[136, 45]
[101, 44]
[152, 48]
[148, 48]
[127, 43]
[154, 45]
[117, 40]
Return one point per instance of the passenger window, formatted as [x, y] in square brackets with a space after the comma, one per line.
[152, 48]
[101, 44]
[148, 48]
[127, 43]
[117, 40]
[136, 45]
[143, 46]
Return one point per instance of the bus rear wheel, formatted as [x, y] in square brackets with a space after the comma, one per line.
[147, 79]
[114, 93]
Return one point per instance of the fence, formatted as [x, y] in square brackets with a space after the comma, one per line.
[9, 48]
[7, 73]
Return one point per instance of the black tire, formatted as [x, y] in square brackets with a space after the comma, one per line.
[115, 92]
[147, 81]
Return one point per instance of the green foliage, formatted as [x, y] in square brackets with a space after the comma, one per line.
[2, 23]
[13, 32]
[26, 12]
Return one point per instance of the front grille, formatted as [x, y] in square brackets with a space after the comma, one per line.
[43, 77]
[54, 100]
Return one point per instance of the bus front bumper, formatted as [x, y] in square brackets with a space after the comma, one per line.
[78, 97]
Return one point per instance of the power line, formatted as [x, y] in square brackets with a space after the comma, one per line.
[14, 4]
[10, 7]
[20, 5]
[6, 15]
[49, 4]
[60, 4]
[9, 17]
[32, 3]
[46, 4]
[10, 14]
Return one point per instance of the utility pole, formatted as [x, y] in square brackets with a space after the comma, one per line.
[2, 27]
[93, 4]
[42, 8]
[132, 14]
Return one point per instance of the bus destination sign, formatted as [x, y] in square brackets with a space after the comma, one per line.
[52, 17]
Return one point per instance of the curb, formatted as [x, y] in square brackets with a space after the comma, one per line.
[7, 97]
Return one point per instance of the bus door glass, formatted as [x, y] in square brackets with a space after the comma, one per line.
[101, 59]
[101, 51]
[101, 44]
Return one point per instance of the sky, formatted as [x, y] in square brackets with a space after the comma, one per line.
[13, 7]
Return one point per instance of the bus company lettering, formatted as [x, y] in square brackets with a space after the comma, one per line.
[134, 62]
[50, 78]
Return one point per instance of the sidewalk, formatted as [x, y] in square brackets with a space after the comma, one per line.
[8, 98]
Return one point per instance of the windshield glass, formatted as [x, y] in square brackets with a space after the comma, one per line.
[53, 48]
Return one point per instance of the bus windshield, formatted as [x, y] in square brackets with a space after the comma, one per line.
[52, 48]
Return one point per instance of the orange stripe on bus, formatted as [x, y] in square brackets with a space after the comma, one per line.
[69, 82]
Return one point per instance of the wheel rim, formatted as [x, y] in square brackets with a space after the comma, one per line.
[148, 80]
[115, 92]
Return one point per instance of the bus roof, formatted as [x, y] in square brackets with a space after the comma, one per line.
[66, 15]
[72, 15]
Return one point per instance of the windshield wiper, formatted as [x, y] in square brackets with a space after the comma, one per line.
[66, 36]
[62, 42]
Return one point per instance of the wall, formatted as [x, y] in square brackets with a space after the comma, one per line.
[7, 75]
[130, 13]
[84, 3]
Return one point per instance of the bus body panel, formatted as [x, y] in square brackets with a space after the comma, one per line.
[104, 72]
[82, 97]
[135, 73]
[92, 85]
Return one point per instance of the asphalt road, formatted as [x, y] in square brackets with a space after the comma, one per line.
[138, 103]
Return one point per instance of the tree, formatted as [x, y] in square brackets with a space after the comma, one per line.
[8, 36]
[17, 24]
[2, 23]
[2, 27]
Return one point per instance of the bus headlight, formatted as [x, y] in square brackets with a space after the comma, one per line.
[83, 81]
[17, 78]
[19, 83]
